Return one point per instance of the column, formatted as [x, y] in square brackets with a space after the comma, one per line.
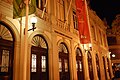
[72, 60]
[86, 72]
[94, 66]
[55, 57]
[16, 71]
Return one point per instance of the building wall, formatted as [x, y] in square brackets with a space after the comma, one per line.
[113, 37]
[55, 32]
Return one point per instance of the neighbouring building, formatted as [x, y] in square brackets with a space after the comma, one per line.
[113, 37]
[54, 51]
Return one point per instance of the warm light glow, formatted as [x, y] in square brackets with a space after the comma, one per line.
[87, 47]
[113, 55]
[33, 19]
[90, 45]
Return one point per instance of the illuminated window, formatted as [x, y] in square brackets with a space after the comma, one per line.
[66, 65]
[60, 65]
[80, 64]
[43, 63]
[77, 66]
[5, 61]
[33, 69]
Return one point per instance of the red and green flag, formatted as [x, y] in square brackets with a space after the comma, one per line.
[19, 8]
[83, 27]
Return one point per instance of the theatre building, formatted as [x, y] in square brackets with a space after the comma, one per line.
[51, 48]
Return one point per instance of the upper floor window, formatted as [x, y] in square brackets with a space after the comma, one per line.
[61, 10]
[101, 37]
[40, 4]
[75, 20]
[104, 40]
[93, 33]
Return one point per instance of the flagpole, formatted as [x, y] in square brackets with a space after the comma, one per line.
[25, 43]
[68, 10]
[44, 9]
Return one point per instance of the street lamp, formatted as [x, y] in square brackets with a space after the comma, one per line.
[33, 20]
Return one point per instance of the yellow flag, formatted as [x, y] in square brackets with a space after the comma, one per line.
[19, 8]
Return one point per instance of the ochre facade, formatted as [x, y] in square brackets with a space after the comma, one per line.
[55, 34]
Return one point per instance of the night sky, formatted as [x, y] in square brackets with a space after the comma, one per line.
[106, 9]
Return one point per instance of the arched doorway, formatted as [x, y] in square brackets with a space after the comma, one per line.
[90, 67]
[98, 67]
[64, 62]
[6, 52]
[39, 58]
[79, 64]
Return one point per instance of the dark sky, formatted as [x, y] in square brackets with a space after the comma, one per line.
[106, 9]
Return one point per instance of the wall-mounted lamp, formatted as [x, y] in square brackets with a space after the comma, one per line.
[113, 55]
[87, 47]
[33, 20]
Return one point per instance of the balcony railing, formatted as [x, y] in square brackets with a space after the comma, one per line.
[62, 25]
[46, 16]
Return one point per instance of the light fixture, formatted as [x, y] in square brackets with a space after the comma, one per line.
[33, 20]
[87, 47]
[113, 55]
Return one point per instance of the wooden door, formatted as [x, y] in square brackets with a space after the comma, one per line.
[39, 59]
[6, 52]
[64, 62]
[98, 67]
[6, 60]
[79, 64]
[90, 67]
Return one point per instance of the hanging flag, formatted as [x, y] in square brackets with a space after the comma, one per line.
[82, 22]
[19, 8]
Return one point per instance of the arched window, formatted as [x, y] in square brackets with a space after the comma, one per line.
[39, 58]
[98, 67]
[6, 52]
[90, 67]
[63, 62]
[79, 64]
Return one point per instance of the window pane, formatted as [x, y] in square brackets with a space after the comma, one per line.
[33, 63]
[5, 61]
[75, 21]
[60, 9]
[80, 64]
[77, 65]
[60, 65]
[66, 65]
[43, 63]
